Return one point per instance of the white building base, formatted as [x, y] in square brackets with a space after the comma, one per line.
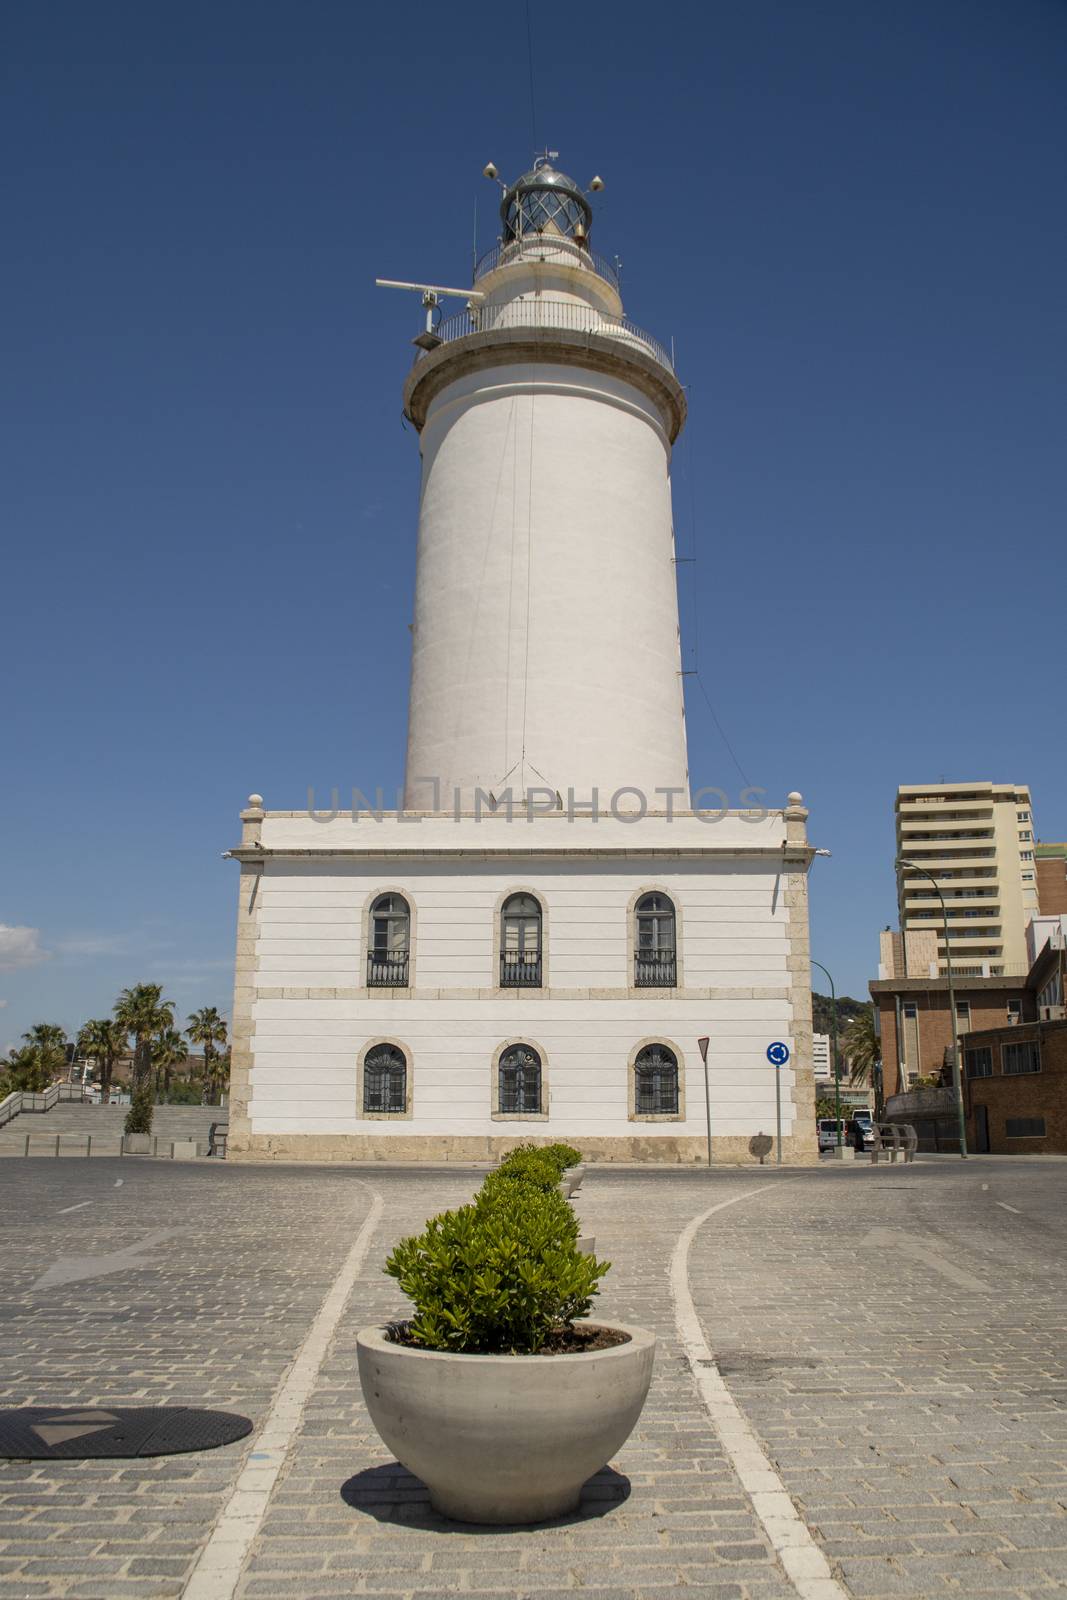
[305, 1016]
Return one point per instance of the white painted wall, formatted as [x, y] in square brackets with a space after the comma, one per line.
[312, 936]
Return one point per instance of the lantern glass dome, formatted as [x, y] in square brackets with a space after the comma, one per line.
[545, 201]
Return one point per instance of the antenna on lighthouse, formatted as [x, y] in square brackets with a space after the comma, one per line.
[432, 295]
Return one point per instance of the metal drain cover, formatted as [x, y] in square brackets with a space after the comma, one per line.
[57, 1433]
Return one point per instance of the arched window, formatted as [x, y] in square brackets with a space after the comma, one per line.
[385, 1080]
[655, 950]
[656, 1085]
[520, 943]
[520, 1081]
[388, 950]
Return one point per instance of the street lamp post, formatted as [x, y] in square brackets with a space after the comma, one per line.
[833, 1050]
[957, 1081]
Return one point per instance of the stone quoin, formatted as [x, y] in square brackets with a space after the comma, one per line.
[530, 946]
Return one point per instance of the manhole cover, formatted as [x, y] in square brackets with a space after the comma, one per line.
[66, 1433]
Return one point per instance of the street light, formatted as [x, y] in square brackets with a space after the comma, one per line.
[833, 1047]
[957, 1082]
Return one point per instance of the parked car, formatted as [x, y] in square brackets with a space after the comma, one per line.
[828, 1133]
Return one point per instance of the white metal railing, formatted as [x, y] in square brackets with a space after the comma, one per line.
[520, 314]
[546, 249]
[20, 1100]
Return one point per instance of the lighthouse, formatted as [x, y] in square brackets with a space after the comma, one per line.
[546, 640]
[538, 942]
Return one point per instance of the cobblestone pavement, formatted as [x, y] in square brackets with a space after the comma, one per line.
[911, 1403]
[915, 1405]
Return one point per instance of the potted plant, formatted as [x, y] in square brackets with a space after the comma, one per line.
[497, 1392]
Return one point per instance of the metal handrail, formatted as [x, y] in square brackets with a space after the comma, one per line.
[522, 314]
[515, 251]
[20, 1100]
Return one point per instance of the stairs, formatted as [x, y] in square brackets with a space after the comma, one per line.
[74, 1121]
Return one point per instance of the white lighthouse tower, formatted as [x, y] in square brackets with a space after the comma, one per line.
[534, 943]
[546, 647]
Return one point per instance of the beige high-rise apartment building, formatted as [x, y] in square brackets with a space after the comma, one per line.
[977, 839]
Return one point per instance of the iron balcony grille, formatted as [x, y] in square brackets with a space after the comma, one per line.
[387, 969]
[655, 969]
[520, 971]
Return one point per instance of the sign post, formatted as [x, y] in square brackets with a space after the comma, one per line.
[778, 1055]
[703, 1044]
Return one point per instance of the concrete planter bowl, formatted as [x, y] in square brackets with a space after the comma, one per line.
[504, 1439]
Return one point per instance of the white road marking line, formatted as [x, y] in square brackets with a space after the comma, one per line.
[64, 1209]
[805, 1564]
[218, 1571]
[1004, 1206]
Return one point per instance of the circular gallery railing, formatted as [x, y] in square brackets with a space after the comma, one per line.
[518, 314]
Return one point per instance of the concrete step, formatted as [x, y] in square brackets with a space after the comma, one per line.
[73, 1122]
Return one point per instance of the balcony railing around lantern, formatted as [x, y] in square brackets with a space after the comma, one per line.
[519, 314]
[655, 969]
[520, 971]
[549, 248]
[387, 969]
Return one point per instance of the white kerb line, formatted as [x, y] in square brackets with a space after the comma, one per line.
[218, 1570]
[805, 1564]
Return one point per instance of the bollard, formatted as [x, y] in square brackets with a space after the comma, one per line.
[27, 1149]
[57, 1144]
[88, 1145]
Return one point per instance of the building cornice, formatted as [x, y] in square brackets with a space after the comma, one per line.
[791, 857]
[567, 347]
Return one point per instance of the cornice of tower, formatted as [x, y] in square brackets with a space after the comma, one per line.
[614, 353]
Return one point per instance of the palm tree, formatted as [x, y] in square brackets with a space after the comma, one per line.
[169, 1050]
[49, 1040]
[142, 1011]
[24, 1069]
[104, 1040]
[863, 1048]
[207, 1028]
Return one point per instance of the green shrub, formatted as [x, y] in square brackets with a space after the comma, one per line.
[501, 1275]
[525, 1165]
[564, 1155]
[139, 1116]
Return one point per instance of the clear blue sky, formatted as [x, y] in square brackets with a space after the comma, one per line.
[848, 214]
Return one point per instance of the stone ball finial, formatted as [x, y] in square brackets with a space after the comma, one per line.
[255, 802]
[796, 798]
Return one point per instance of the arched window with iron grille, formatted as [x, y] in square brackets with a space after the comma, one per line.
[519, 1088]
[390, 942]
[656, 1082]
[655, 944]
[520, 942]
[385, 1080]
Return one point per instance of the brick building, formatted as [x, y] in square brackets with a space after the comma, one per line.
[1015, 1089]
[913, 1018]
[1051, 865]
